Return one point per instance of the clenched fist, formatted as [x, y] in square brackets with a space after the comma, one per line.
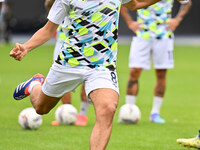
[18, 52]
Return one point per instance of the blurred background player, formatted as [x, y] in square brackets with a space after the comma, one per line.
[1, 3]
[191, 142]
[154, 40]
[66, 99]
[6, 15]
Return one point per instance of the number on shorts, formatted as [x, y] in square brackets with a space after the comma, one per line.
[113, 77]
[170, 54]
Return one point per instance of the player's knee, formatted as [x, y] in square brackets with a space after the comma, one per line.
[135, 73]
[109, 109]
[161, 74]
[106, 114]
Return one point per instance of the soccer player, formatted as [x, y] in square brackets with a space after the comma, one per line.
[6, 19]
[1, 2]
[88, 55]
[154, 41]
[66, 99]
[191, 142]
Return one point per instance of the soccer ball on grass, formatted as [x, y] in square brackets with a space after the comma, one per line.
[29, 119]
[129, 114]
[66, 114]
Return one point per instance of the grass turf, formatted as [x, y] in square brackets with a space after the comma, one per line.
[180, 108]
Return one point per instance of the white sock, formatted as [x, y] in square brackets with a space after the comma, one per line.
[130, 99]
[84, 108]
[157, 102]
[32, 85]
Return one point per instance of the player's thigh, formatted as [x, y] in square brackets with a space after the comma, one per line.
[163, 54]
[105, 101]
[140, 53]
[101, 80]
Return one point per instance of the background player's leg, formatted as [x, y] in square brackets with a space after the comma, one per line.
[159, 92]
[133, 86]
[66, 99]
[82, 116]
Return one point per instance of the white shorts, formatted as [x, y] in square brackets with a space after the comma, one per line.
[62, 79]
[142, 52]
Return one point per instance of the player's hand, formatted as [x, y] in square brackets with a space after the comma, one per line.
[134, 26]
[18, 52]
[173, 24]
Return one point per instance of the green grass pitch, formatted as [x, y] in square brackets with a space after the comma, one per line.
[181, 107]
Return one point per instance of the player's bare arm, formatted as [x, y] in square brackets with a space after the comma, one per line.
[137, 4]
[133, 25]
[39, 38]
[184, 9]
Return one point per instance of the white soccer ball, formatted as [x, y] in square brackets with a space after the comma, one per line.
[129, 114]
[29, 119]
[66, 114]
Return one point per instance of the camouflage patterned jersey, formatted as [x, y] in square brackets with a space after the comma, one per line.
[91, 29]
[154, 19]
